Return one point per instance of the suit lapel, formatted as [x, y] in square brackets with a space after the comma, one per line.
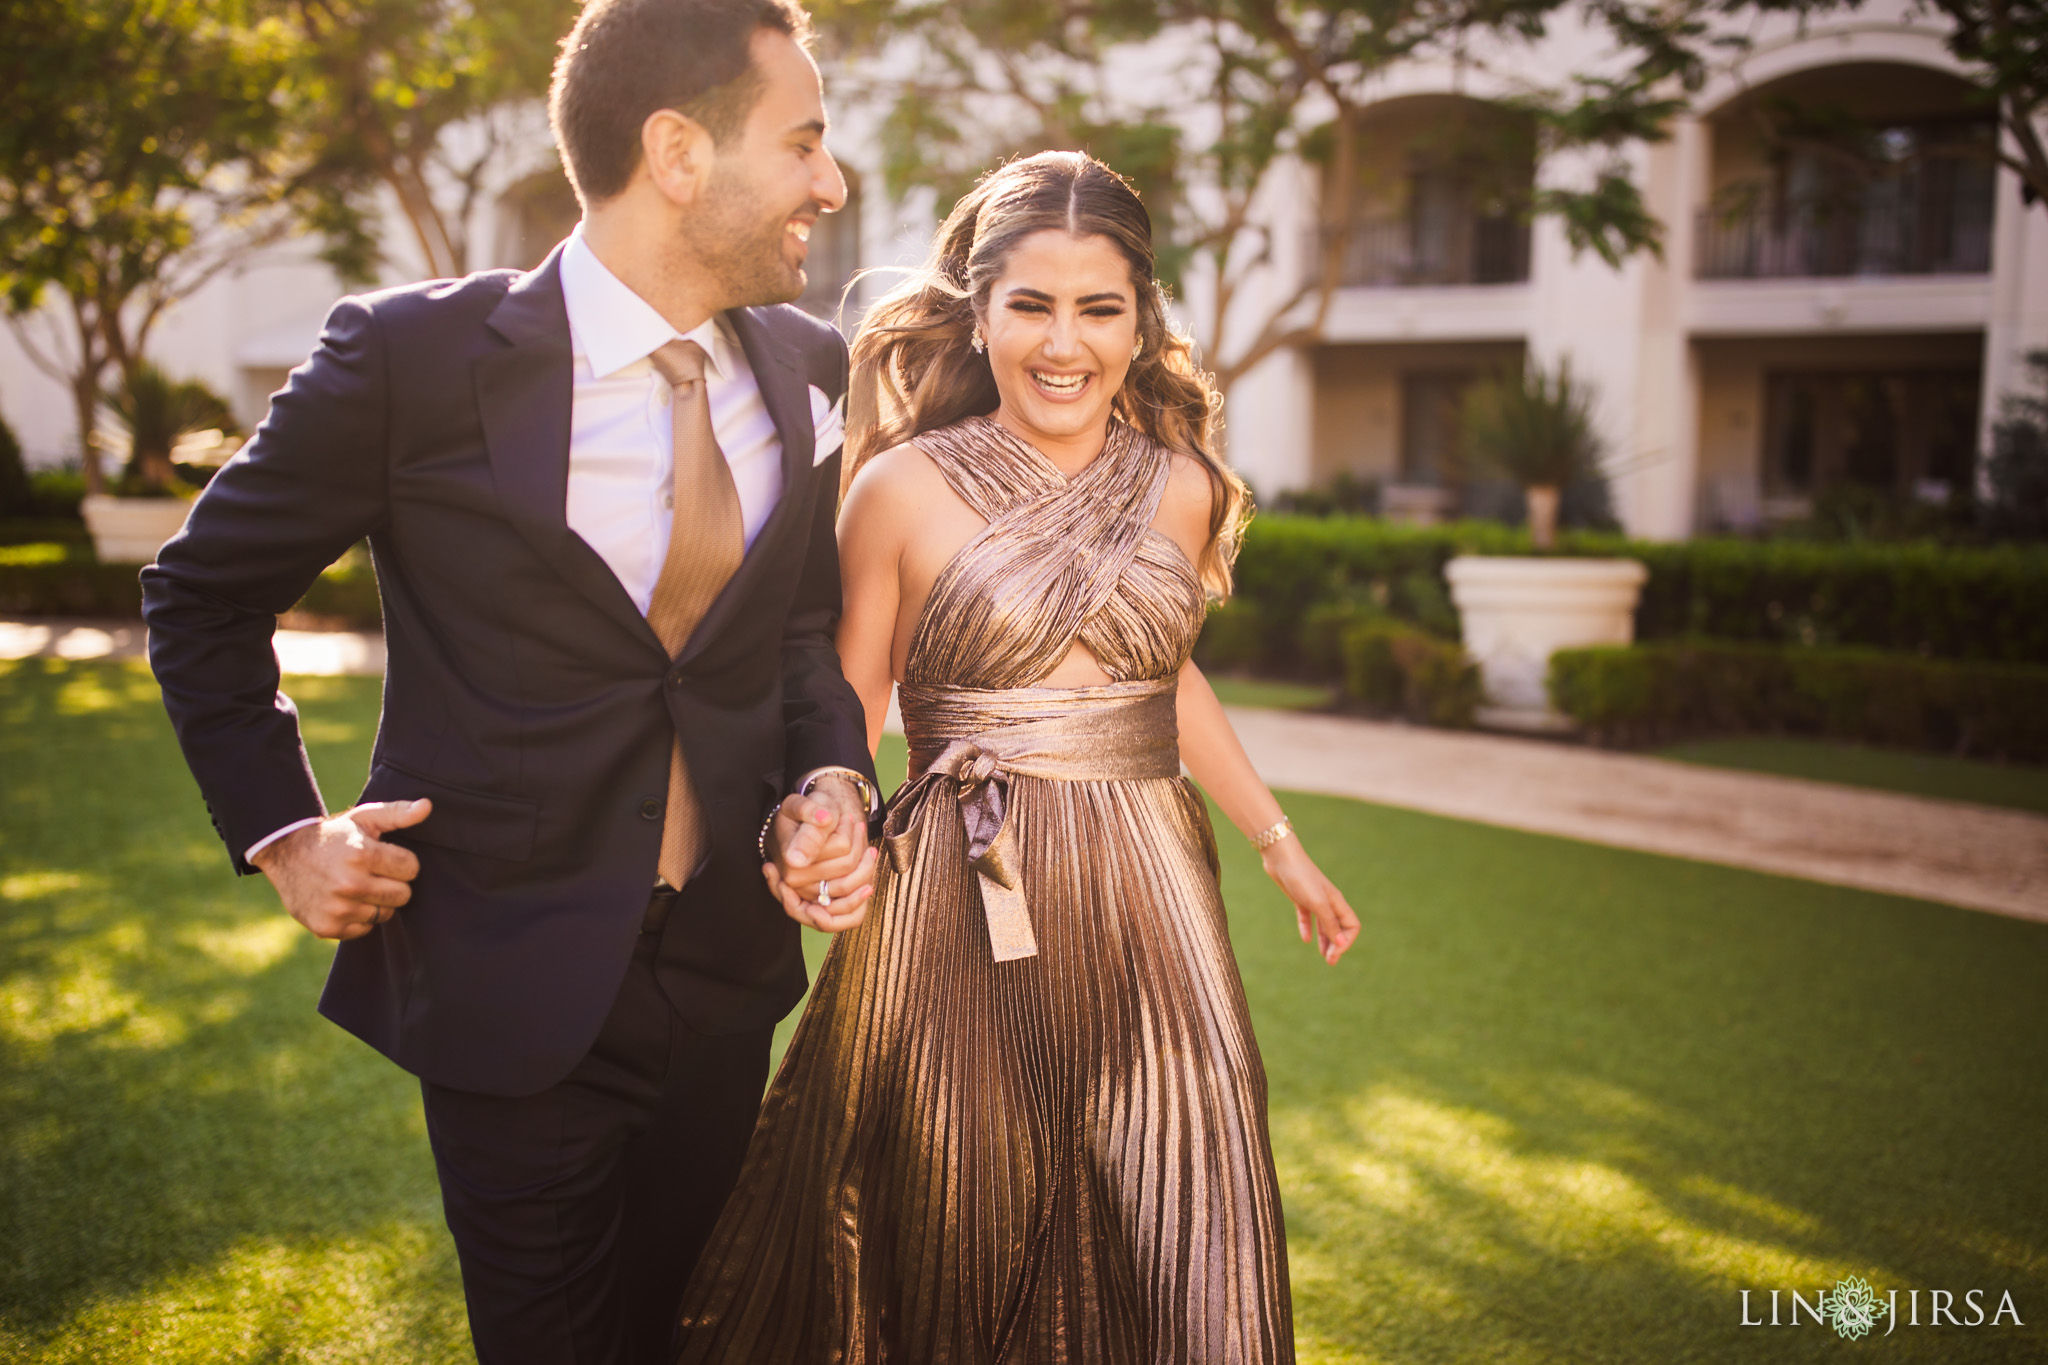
[787, 396]
[523, 395]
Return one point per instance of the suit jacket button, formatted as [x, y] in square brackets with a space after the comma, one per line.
[650, 809]
[675, 682]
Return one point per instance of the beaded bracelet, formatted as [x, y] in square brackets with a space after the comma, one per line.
[1272, 834]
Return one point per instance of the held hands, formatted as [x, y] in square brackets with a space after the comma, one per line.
[1315, 898]
[339, 878]
[819, 847]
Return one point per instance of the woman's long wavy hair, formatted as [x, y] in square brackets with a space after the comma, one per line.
[913, 370]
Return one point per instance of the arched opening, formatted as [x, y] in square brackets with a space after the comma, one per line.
[1861, 169]
[1439, 194]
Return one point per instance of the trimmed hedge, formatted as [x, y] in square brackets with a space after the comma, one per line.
[346, 594]
[64, 578]
[1290, 564]
[1650, 693]
[1989, 603]
[1986, 603]
[41, 531]
[1395, 669]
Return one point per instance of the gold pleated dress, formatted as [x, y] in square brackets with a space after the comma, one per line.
[1023, 1118]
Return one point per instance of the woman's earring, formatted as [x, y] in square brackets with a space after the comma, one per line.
[978, 341]
[1137, 350]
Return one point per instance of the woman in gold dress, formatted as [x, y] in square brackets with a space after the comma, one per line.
[1024, 1118]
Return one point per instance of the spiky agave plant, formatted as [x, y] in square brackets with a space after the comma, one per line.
[1536, 428]
[156, 410]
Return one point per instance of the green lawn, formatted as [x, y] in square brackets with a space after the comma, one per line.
[2018, 785]
[1273, 694]
[1560, 1106]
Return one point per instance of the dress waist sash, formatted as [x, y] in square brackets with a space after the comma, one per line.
[970, 742]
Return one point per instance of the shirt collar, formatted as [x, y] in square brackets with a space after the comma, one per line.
[612, 327]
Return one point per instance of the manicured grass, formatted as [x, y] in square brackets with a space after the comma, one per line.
[1560, 1105]
[194, 1166]
[1272, 694]
[2018, 785]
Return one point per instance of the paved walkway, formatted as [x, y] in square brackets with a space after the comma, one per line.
[1978, 857]
[320, 652]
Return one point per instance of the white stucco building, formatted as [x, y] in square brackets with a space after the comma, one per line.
[1802, 328]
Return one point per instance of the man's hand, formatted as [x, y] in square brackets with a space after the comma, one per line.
[819, 845]
[339, 878]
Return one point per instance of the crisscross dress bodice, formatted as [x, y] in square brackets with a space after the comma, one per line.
[1060, 561]
[1024, 1117]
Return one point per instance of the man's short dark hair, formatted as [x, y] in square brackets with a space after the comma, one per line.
[625, 59]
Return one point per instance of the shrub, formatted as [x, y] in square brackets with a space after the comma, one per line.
[346, 594]
[156, 410]
[1949, 603]
[1977, 603]
[42, 530]
[1346, 493]
[1648, 693]
[1323, 628]
[17, 497]
[57, 493]
[64, 578]
[1233, 636]
[1393, 668]
[1372, 676]
[1290, 564]
[1536, 428]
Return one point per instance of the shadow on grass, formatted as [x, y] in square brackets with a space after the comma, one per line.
[1566, 1102]
[196, 1166]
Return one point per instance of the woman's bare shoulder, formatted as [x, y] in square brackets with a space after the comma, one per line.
[897, 471]
[1188, 503]
[896, 482]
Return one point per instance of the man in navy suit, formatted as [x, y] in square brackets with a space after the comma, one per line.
[600, 499]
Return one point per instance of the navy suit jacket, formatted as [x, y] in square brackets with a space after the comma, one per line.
[525, 694]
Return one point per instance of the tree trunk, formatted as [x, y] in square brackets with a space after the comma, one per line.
[1542, 499]
[85, 399]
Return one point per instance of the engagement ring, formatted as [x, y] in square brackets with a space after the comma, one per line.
[824, 895]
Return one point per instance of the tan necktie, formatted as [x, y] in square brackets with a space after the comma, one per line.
[706, 543]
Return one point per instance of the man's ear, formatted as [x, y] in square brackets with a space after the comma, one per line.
[676, 152]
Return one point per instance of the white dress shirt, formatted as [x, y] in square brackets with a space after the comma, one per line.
[621, 434]
[622, 438]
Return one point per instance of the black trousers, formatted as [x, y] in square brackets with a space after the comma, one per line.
[579, 1212]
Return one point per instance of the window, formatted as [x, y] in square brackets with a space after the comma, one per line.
[1432, 426]
[1904, 432]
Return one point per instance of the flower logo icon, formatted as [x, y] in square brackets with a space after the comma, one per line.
[1853, 1308]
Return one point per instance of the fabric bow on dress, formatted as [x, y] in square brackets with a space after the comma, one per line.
[981, 741]
[984, 793]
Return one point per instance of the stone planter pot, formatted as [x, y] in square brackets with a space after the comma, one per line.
[131, 530]
[1517, 612]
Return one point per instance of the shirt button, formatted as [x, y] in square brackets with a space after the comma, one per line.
[668, 502]
[663, 394]
[650, 809]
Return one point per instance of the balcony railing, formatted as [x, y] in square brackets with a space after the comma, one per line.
[1391, 254]
[1946, 236]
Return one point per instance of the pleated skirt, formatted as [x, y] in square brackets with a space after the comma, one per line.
[1061, 1158]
